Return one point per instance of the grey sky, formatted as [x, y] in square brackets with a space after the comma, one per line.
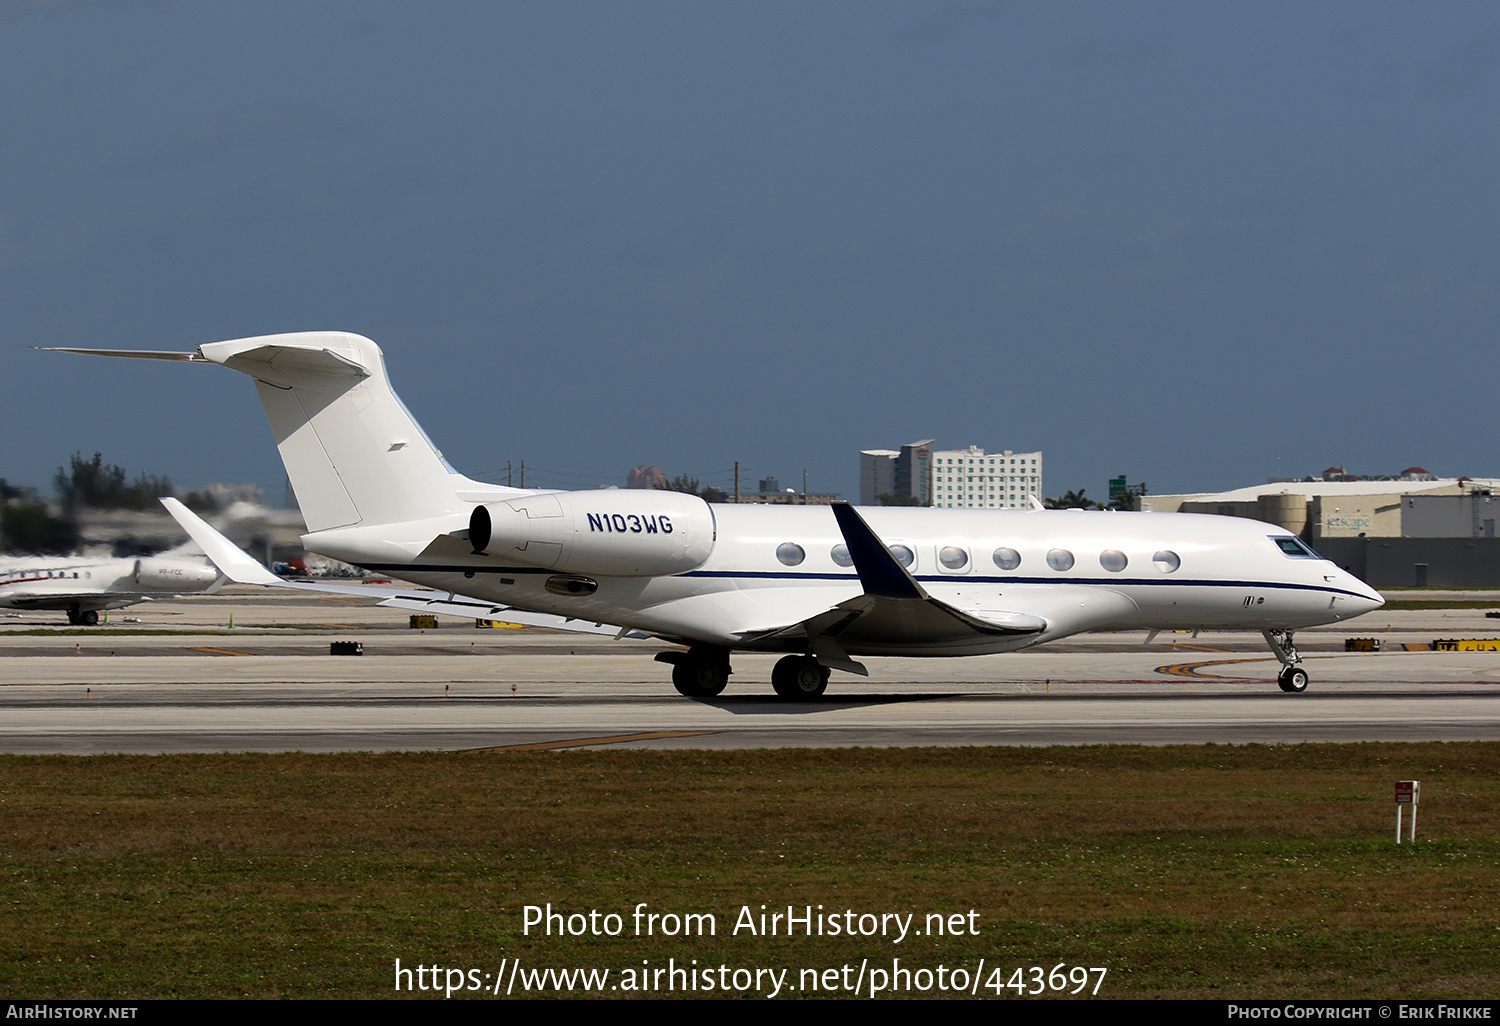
[1197, 243]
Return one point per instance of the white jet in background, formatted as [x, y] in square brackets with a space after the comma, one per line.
[821, 584]
[84, 587]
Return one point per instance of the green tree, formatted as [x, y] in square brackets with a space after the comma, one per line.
[104, 486]
[201, 501]
[689, 485]
[1072, 500]
[31, 527]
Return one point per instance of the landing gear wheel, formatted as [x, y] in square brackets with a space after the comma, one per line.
[89, 618]
[697, 678]
[1293, 680]
[799, 678]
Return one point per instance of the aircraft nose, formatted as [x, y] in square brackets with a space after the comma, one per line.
[1361, 597]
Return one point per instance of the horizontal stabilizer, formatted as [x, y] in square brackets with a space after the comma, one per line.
[129, 354]
[353, 453]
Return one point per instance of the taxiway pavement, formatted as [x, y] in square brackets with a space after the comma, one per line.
[183, 680]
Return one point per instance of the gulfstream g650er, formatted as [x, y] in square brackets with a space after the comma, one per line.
[821, 584]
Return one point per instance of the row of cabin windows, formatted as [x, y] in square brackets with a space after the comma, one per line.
[954, 557]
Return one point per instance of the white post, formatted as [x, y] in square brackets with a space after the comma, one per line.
[1408, 792]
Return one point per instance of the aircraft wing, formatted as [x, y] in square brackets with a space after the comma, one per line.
[894, 607]
[236, 564]
[84, 600]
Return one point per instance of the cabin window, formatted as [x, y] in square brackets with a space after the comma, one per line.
[1166, 561]
[840, 554]
[1060, 559]
[790, 553]
[1007, 559]
[952, 557]
[904, 555]
[1113, 560]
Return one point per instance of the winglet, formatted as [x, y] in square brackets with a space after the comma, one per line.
[879, 571]
[232, 561]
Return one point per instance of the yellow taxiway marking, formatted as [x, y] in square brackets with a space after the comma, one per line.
[1191, 669]
[612, 739]
[219, 651]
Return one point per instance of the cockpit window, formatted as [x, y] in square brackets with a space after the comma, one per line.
[1294, 547]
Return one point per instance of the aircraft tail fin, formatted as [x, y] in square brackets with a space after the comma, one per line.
[353, 452]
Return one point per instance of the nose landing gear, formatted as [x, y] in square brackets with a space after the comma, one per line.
[1293, 678]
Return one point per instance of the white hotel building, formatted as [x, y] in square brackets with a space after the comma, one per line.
[973, 479]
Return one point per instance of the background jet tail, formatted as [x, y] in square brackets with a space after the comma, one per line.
[353, 452]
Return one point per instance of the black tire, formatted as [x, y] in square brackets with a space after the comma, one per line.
[89, 618]
[698, 679]
[799, 678]
[1293, 680]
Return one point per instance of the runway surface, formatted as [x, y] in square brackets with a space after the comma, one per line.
[185, 682]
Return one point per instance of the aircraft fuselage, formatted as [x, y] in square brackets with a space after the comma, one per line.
[773, 566]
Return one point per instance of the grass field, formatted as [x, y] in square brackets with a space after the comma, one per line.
[1185, 871]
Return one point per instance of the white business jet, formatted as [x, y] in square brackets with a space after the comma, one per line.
[84, 588]
[821, 584]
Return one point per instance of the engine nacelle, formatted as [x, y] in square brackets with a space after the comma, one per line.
[174, 574]
[631, 533]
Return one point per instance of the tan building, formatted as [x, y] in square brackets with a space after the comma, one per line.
[1315, 510]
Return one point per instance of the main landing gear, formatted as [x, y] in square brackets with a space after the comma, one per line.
[700, 672]
[799, 678]
[84, 617]
[703, 672]
[1293, 678]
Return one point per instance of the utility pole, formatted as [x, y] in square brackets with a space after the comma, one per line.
[804, 486]
[523, 473]
[508, 481]
[736, 481]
